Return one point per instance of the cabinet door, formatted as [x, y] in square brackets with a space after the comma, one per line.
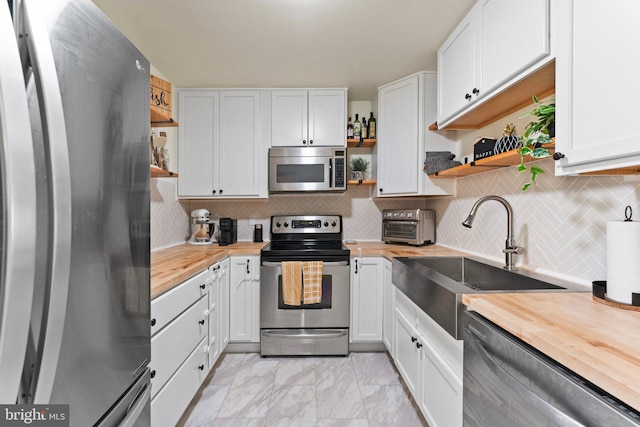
[327, 115]
[223, 304]
[244, 298]
[504, 56]
[240, 157]
[387, 312]
[289, 118]
[597, 86]
[456, 68]
[407, 352]
[398, 138]
[441, 396]
[366, 300]
[198, 135]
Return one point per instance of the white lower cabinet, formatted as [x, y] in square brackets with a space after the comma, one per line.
[366, 299]
[387, 310]
[244, 299]
[430, 362]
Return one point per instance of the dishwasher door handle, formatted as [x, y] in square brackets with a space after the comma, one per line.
[325, 264]
[558, 416]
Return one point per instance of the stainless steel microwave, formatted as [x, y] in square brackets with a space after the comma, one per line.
[307, 169]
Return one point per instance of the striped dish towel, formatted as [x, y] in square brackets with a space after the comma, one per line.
[312, 280]
[291, 282]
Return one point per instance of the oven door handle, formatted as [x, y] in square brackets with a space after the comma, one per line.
[325, 264]
[298, 335]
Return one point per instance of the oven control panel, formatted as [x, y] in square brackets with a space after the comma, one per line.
[300, 224]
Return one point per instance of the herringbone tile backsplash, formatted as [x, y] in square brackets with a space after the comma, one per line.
[561, 223]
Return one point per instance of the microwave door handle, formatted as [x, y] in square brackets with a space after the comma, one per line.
[330, 173]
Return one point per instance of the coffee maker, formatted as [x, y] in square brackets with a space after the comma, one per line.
[201, 227]
[228, 231]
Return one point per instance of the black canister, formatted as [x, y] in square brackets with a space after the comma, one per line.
[257, 233]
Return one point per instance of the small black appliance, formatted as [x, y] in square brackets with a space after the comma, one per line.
[228, 231]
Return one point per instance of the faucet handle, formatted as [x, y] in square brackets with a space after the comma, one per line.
[518, 250]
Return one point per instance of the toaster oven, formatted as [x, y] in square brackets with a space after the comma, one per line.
[411, 226]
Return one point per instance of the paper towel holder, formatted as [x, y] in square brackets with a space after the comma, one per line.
[600, 295]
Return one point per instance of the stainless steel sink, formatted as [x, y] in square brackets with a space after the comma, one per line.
[436, 284]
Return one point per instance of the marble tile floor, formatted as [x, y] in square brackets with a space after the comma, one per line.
[363, 389]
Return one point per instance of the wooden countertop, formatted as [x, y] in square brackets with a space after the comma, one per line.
[598, 342]
[171, 266]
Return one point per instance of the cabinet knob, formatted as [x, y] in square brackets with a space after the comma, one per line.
[201, 367]
[414, 339]
[467, 96]
[418, 345]
[220, 191]
[201, 322]
[153, 322]
[213, 192]
[558, 156]
[153, 373]
[475, 91]
[203, 286]
[304, 142]
[311, 141]
[380, 190]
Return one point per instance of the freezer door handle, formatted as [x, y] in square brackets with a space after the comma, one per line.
[18, 211]
[57, 155]
[137, 406]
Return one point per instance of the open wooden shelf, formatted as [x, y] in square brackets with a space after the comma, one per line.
[502, 160]
[160, 120]
[353, 143]
[363, 182]
[541, 83]
[157, 172]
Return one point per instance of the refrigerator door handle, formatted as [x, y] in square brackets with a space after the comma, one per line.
[18, 212]
[57, 154]
[137, 406]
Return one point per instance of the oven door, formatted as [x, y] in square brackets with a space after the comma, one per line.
[400, 231]
[312, 173]
[331, 312]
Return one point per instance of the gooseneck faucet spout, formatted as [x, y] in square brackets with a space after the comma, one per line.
[510, 245]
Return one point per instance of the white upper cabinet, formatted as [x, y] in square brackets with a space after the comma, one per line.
[498, 43]
[302, 118]
[221, 149]
[597, 86]
[405, 108]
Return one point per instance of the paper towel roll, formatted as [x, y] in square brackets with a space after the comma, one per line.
[623, 260]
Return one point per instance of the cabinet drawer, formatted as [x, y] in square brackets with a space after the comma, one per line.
[168, 405]
[171, 346]
[168, 305]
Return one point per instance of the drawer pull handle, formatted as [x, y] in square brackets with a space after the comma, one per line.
[201, 367]
[203, 286]
[418, 345]
[153, 373]
[414, 339]
[153, 322]
[201, 322]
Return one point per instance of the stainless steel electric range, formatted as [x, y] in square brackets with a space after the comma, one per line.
[320, 328]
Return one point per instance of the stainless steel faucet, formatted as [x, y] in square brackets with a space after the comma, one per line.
[510, 244]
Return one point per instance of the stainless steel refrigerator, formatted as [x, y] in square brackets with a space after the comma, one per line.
[74, 201]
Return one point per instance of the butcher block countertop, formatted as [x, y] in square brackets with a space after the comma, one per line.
[171, 266]
[598, 342]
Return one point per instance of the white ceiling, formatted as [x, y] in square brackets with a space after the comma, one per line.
[359, 44]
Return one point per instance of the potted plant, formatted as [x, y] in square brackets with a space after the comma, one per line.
[358, 167]
[536, 134]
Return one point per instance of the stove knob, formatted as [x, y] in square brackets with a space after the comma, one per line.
[286, 224]
[333, 223]
[326, 224]
[401, 214]
[278, 225]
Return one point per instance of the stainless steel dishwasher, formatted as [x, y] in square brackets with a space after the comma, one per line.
[508, 383]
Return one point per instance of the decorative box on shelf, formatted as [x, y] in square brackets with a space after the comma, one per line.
[160, 103]
[483, 148]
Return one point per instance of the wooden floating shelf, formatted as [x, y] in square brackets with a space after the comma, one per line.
[157, 172]
[363, 182]
[353, 143]
[502, 160]
[541, 82]
[161, 121]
